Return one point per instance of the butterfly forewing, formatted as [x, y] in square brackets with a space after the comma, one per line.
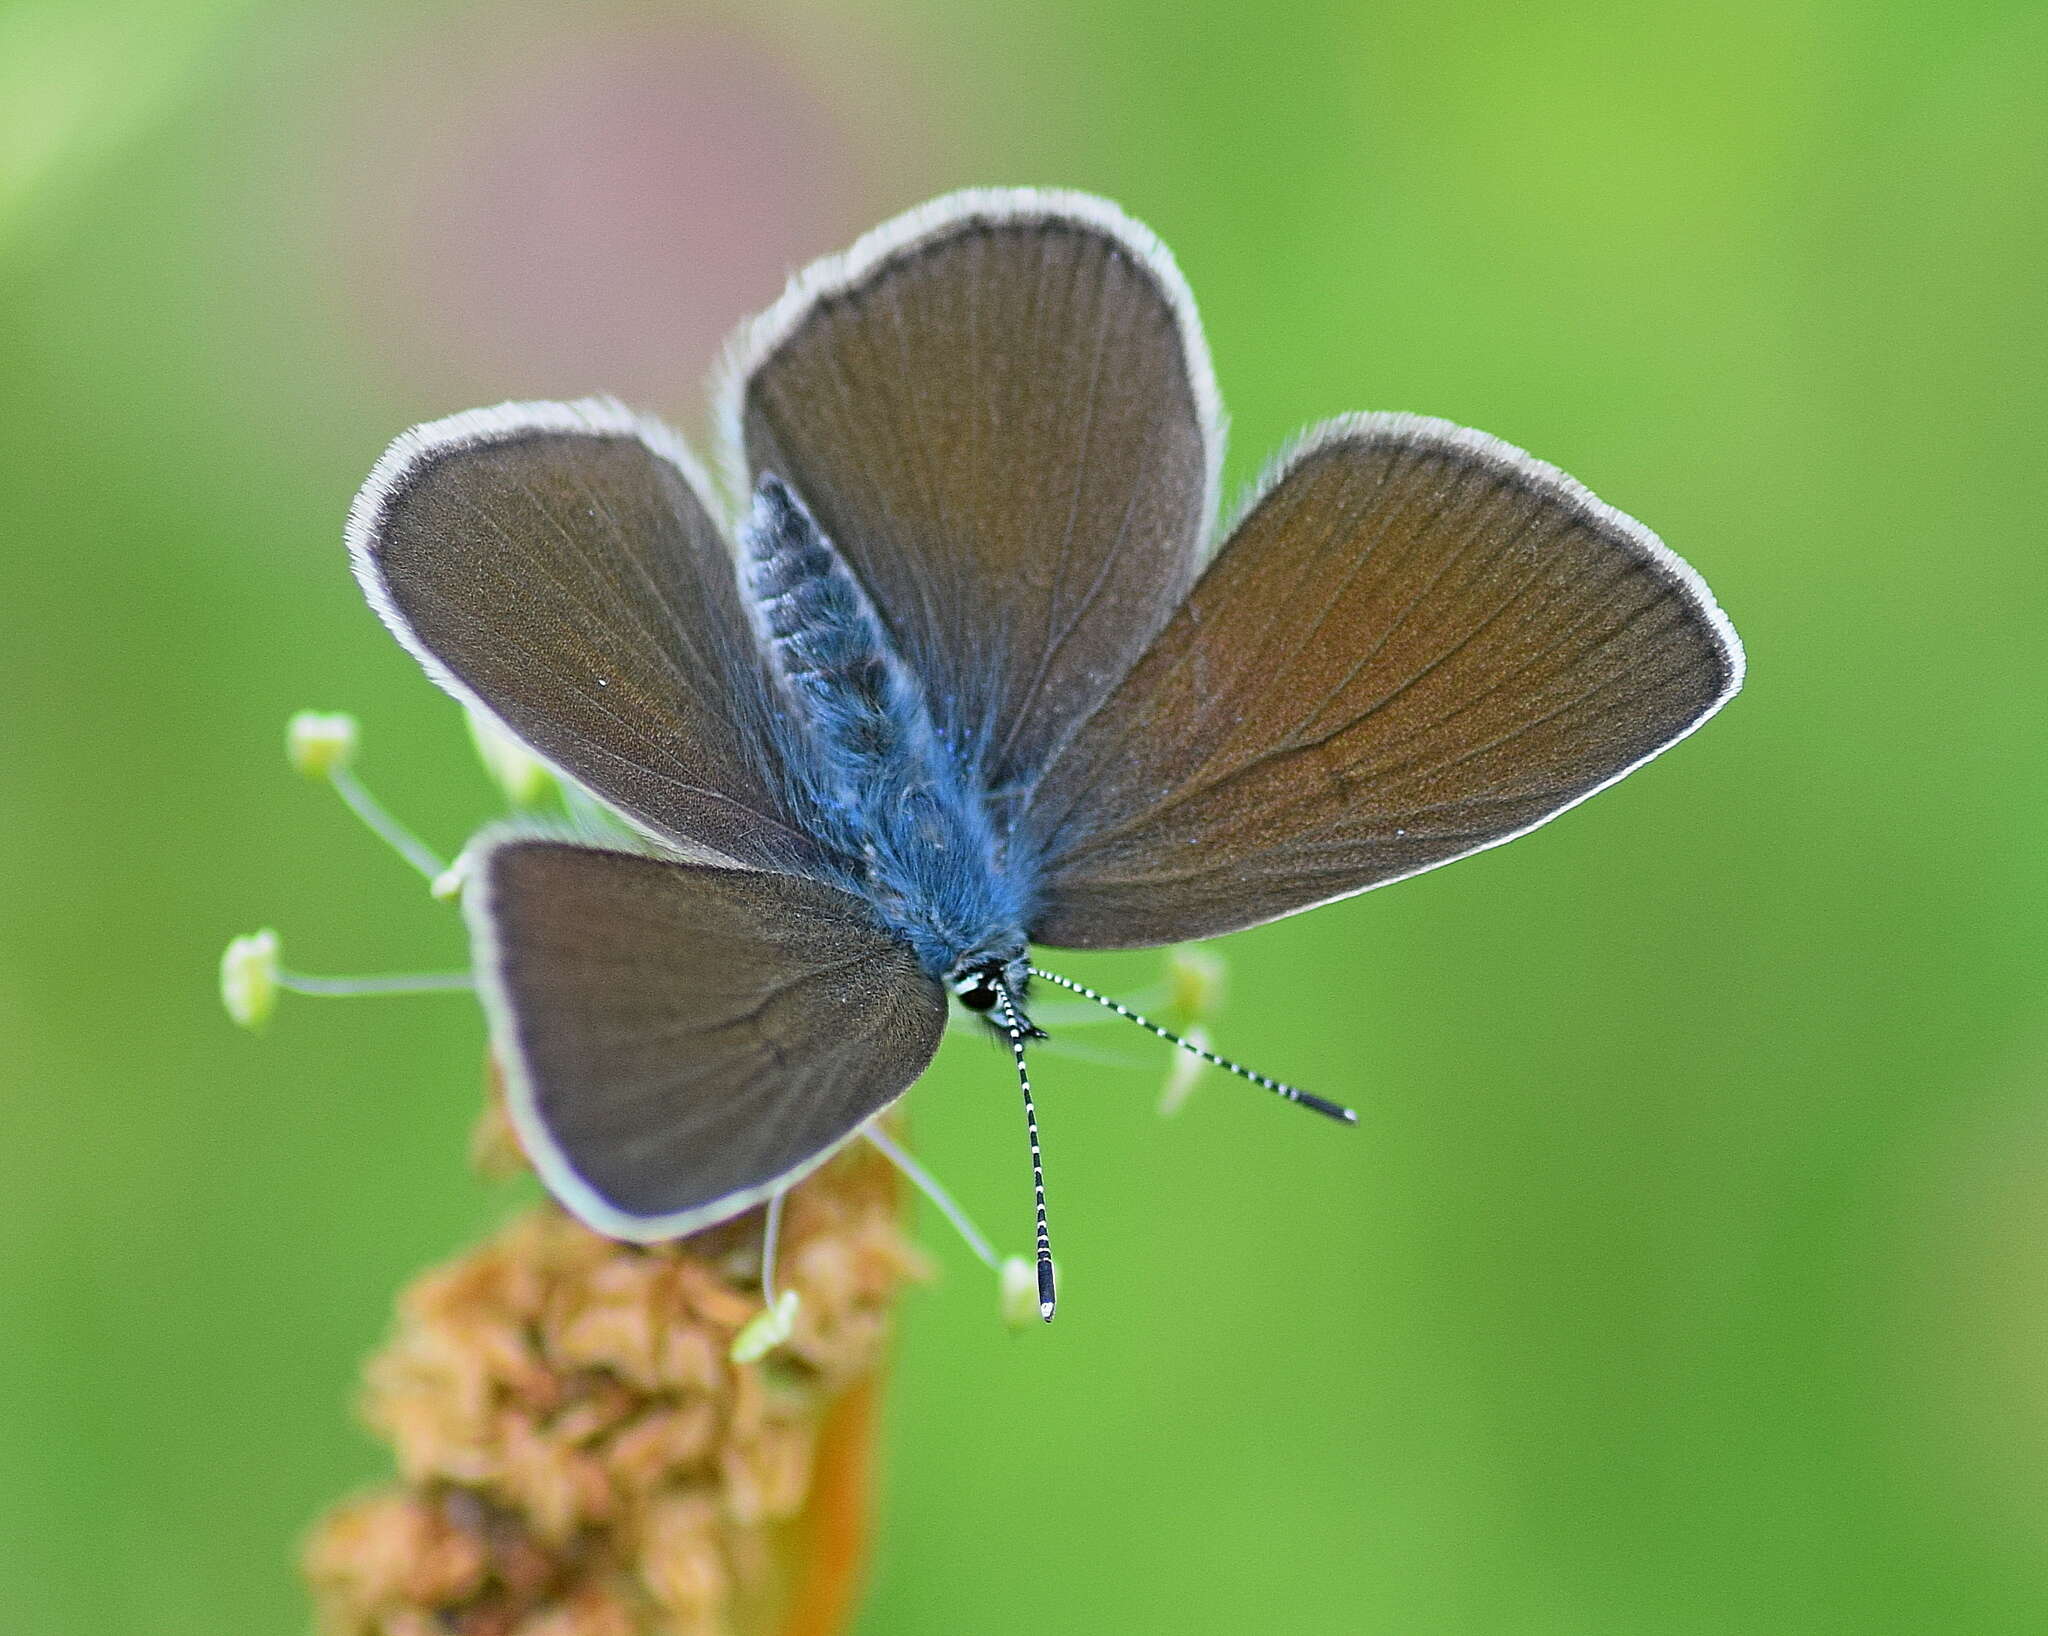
[555, 564]
[678, 1041]
[1000, 410]
[1418, 643]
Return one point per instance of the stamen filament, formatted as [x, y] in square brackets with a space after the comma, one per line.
[928, 1184]
[415, 982]
[385, 827]
[771, 1235]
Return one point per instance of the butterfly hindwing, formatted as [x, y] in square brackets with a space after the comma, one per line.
[556, 564]
[1000, 410]
[1418, 643]
[678, 1041]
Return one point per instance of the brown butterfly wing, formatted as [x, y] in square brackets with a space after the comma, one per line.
[680, 1041]
[1419, 643]
[999, 408]
[555, 564]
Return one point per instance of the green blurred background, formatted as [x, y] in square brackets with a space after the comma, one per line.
[1690, 1271]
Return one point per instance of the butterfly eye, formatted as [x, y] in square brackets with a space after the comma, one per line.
[979, 989]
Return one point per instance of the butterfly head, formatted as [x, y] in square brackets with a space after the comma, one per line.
[994, 988]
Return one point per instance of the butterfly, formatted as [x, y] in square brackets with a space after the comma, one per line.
[971, 667]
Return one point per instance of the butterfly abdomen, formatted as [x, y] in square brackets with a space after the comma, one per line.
[826, 643]
[882, 789]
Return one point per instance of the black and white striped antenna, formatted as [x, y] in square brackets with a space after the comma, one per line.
[1014, 1027]
[1290, 1093]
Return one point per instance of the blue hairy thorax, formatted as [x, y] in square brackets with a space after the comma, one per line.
[898, 808]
